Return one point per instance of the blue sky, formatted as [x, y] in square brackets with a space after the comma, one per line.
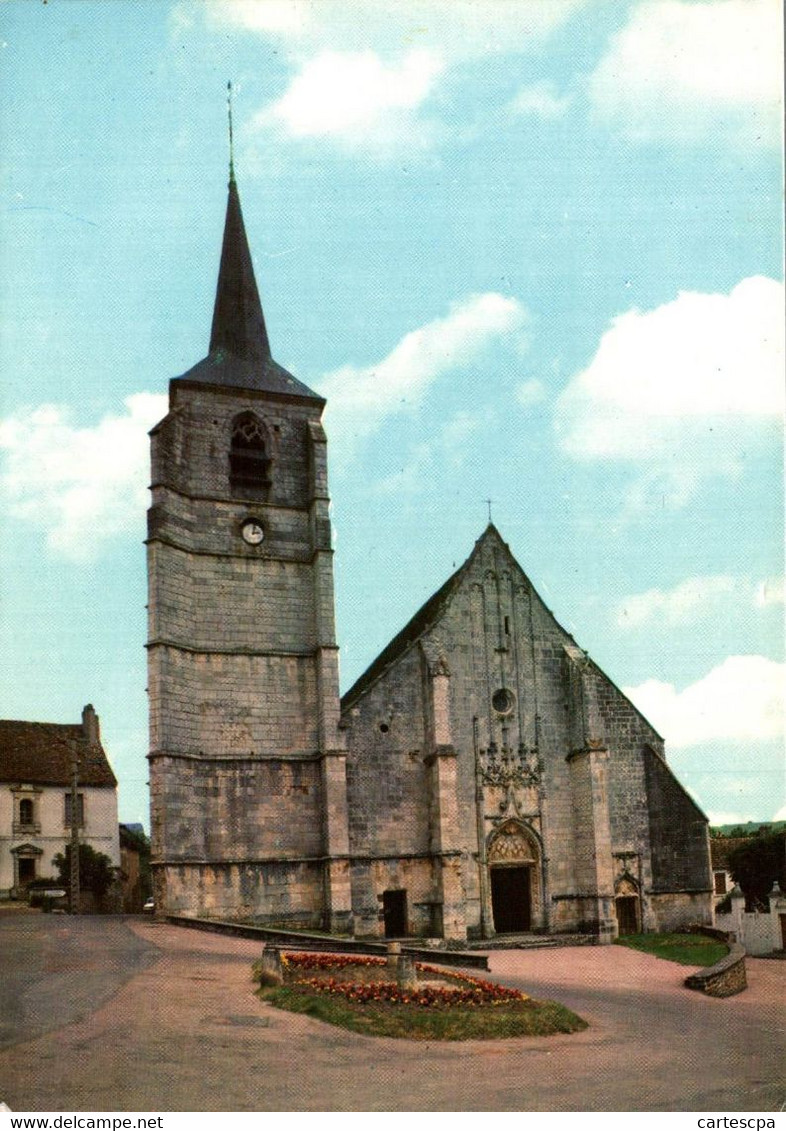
[530, 251]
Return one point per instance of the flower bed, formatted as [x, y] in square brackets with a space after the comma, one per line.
[359, 992]
[469, 991]
[427, 996]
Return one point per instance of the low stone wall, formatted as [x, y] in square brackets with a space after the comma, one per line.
[725, 978]
[300, 940]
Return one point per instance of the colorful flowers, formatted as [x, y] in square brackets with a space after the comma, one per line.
[468, 991]
[328, 961]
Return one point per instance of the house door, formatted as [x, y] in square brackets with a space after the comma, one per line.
[627, 914]
[26, 869]
[511, 898]
[394, 910]
[783, 931]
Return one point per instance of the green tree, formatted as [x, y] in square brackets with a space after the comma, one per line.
[756, 865]
[96, 873]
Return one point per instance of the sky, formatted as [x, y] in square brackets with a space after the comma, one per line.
[530, 250]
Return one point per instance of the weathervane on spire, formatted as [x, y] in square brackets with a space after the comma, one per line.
[231, 149]
[488, 504]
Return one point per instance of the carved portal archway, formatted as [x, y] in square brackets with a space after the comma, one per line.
[627, 903]
[514, 861]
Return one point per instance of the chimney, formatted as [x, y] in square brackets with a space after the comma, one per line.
[90, 727]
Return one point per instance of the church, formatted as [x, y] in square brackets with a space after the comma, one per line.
[482, 777]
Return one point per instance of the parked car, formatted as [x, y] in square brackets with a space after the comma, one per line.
[149, 906]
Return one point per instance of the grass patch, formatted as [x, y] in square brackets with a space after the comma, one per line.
[441, 1023]
[688, 950]
[358, 993]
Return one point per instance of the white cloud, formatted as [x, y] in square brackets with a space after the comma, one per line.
[725, 817]
[682, 388]
[694, 598]
[359, 399]
[357, 99]
[82, 486]
[457, 29]
[363, 69]
[771, 592]
[289, 18]
[740, 700]
[687, 601]
[687, 72]
[540, 100]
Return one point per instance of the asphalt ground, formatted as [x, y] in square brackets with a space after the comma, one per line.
[121, 1014]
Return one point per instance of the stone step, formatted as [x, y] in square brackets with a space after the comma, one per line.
[533, 942]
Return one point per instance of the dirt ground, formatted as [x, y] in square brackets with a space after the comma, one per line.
[119, 1014]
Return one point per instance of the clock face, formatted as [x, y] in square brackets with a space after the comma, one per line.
[252, 532]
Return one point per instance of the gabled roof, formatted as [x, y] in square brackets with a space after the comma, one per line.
[239, 354]
[424, 619]
[431, 613]
[42, 753]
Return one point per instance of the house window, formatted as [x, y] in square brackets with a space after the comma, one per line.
[248, 462]
[80, 809]
[25, 813]
[720, 883]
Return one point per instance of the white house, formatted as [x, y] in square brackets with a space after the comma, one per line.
[36, 771]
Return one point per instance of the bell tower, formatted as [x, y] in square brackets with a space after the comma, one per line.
[247, 765]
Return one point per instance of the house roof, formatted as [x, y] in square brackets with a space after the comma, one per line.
[239, 354]
[42, 753]
[721, 847]
[133, 837]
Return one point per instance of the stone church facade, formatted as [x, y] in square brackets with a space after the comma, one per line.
[482, 777]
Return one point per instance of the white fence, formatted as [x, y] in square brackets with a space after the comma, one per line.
[760, 932]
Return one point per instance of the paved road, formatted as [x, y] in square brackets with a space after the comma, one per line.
[166, 1020]
[54, 969]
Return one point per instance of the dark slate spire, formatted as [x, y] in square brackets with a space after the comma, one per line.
[238, 322]
[239, 347]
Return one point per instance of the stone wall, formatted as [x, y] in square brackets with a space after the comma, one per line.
[248, 795]
[725, 978]
[371, 878]
[238, 810]
[387, 775]
[678, 832]
[287, 893]
[677, 911]
[238, 705]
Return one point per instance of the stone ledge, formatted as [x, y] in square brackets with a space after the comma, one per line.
[725, 978]
[303, 940]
